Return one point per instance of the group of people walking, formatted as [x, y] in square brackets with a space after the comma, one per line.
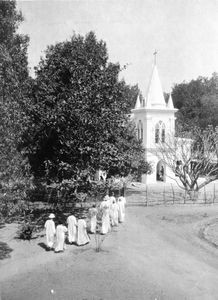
[111, 211]
[56, 237]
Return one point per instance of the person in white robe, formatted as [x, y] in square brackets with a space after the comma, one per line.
[121, 213]
[105, 207]
[82, 236]
[72, 229]
[106, 197]
[50, 231]
[123, 199]
[114, 213]
[60, 238]
[93, 218]
[112, 198]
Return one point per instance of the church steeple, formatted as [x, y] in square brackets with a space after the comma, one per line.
[138, 103]
[170, 102]
[155, 97]
[155, 57]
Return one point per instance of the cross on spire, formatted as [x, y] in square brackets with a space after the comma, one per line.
[155, 56]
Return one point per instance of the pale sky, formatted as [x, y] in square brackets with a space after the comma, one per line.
[184, 32]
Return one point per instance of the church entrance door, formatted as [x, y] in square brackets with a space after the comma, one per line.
[160, 171]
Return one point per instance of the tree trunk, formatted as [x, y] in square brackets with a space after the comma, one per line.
[193, 195]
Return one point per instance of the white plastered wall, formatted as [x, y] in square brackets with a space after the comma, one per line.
[150, 118]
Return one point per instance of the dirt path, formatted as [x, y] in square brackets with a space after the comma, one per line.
[156, 254]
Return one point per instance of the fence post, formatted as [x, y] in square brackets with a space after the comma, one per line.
[173, 193]
[205, 196]
[146, 195]
[164, 196]
[214, 193]
[185, 196]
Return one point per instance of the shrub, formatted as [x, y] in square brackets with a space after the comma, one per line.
[10, 209]
[25, 231]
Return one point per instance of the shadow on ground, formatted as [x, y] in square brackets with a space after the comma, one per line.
[5, 251]
[43, 246]
[2, 225]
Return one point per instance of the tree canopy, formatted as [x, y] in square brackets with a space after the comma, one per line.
[14, 81]
[79, 114]
[197, 102]
[131, 93]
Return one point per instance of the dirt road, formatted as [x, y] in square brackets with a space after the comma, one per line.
[156, 254]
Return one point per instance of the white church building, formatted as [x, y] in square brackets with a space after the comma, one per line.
[154, 119]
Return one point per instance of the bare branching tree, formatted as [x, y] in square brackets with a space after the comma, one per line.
[193, 158]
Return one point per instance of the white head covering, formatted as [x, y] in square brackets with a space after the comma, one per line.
[51, 216]
[106, 198]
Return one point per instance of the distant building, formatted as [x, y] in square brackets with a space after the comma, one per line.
[154, 119]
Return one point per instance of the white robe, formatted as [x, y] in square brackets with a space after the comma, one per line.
[105, 205]
[121, 213]
[123, 199]
[93, 219]
[112, 199]
[50, 232]
[72, 229]
[60, 238]
[114, 214]
[82, 236]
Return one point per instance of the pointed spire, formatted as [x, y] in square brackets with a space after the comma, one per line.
[155, 95]
[155, 57]
[138, 103]
[144, 102]
[170, 102]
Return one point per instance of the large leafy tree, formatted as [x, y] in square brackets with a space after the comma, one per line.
[14, 82]
[197, 102]
[79, 114]
[131, 93]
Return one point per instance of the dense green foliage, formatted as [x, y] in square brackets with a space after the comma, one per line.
[130, 94]
[68, 122]
[79, 115]
[197, 102]
[14, 83]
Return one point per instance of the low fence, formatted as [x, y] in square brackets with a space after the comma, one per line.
[169, 196]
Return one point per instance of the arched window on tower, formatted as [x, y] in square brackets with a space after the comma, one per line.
[157, 133]
[163, 133]
[140, 130]
[160, 132]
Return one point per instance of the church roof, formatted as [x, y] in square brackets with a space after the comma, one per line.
[155, 97]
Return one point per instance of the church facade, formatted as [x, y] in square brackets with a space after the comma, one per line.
[155, 119]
